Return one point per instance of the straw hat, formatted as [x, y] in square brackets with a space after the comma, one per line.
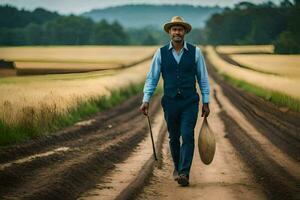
[177, 20]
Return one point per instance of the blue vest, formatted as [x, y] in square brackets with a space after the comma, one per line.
[178, 78]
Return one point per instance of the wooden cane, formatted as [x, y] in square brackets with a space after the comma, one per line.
[153, 146]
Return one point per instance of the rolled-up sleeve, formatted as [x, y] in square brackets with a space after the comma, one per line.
[152, 77]
[202, 76]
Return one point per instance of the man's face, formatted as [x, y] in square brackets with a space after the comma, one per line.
[177, 33]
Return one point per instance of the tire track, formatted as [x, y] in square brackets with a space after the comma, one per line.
[279, 184]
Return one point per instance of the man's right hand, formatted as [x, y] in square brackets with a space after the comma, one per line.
[144, 108]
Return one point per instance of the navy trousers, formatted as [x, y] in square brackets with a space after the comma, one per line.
[181, 115]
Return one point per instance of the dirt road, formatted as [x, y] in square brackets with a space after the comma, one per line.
[257, 154]
[226, 178]
[110, 157]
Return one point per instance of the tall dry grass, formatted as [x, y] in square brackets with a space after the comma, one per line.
[66, 59]
[32, 105]
[281, 84]
[20, 95]
[44, 120]
[283, 65]
[236, 49]
[77, 54]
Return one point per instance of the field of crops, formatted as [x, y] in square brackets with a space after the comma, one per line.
[284, 85]
[247, 49]
[283, 65]
[68, 59]
[33, 104]
[58, 92]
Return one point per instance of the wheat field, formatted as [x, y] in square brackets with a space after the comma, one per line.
[236, 49]
[283, 65]
[280, 84]
[57, 93]
[67, 59]
[60, 92]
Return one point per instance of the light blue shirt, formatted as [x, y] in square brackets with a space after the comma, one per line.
[155, 71]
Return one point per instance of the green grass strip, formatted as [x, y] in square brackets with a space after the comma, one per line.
[45, 122]
[279, 99]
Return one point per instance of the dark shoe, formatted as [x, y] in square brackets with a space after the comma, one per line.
[175, 175]
[183, 180]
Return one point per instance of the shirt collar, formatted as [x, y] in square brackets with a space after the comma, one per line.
[184, 45]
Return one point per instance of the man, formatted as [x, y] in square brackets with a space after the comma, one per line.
[180, 63]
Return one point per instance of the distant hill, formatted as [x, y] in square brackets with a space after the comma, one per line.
[137, 16]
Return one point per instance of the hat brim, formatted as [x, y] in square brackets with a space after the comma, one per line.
[186, 26]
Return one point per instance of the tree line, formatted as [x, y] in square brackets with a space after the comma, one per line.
[264, 23]
[42, 27]
[246, 23]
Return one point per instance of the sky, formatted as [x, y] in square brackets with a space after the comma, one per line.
[80, 6]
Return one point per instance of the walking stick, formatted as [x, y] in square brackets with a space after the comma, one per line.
[154, 152]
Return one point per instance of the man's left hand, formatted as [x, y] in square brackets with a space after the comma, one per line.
[205, 110]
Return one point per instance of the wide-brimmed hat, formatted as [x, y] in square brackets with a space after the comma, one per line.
[177, 20]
